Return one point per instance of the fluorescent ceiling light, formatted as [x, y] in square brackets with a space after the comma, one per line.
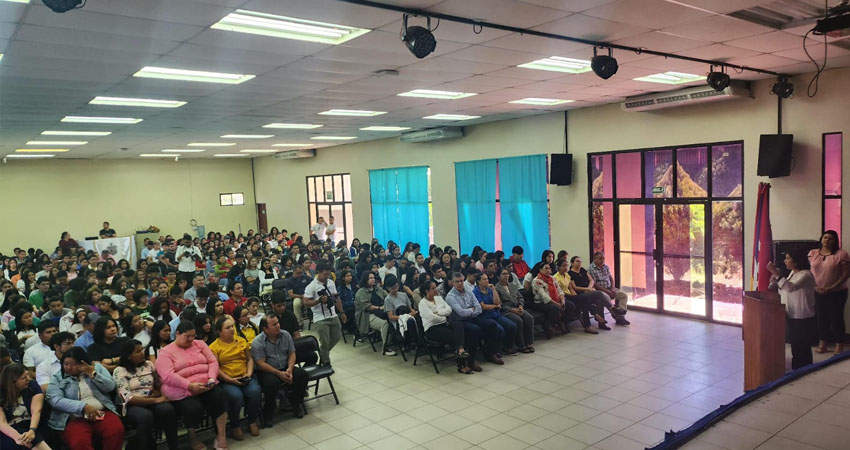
[292, 145]
[211, 144]
[156, 155]
[450, 117]
[247, 136]
[41, 150]
[192, 75]
[259, 150]
[382, 128]
[150, 103]
[18, 1]
[57, 142]
[671, 78]
[428, 93]
[75, 133]
[352, 112]
[183, 150]
[541, 101]
[333, 138]
[37, 155]
[293, 126]
[1, 55]
[229, 155]
[115, 120]
[252, 22]
[559, 64]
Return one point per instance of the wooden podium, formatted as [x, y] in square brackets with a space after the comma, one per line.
[764, 338]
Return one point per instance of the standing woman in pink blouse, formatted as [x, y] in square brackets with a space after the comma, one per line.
[831, 268]
[189, 370]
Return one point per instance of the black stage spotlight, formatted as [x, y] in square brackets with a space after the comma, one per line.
[420, 41]
[718, 80]
[61, 6]
[605, 66]
[783, 87]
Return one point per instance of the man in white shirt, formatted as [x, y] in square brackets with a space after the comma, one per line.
[330, 230]
[61, 316]
[40, 351]
[319, 229]
[60, 343]
[419, 260]
[321, 296]
[388, 267]
[186, 254]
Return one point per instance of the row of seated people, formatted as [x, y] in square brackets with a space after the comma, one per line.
[89, 390]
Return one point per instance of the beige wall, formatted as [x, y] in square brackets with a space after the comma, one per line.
[795, 205]
[44, 198]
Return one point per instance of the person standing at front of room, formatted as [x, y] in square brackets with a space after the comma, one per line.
[319, 229]
[797, 291]
[321, 296]
[186, 255]
[330, 230]
[831, 268]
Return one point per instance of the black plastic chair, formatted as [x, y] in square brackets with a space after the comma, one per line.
[430, 348]
[316, 373]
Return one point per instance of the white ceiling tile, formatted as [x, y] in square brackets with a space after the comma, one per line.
[654, 14]
[763, 61]
[815, 50]
[234, 57]
[592, 28]
[495, 55]
[243, 41]
[526, 74]
[661, 42]
[569, 5]
[183, 11]
[112, 24]
[457, 65]
[768, 42]
[331, 11]
[534, 44]
[505, 12]
[718, 52]
[717, 28]
[723, 6]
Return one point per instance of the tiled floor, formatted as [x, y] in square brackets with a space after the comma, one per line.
[810, 413]
[616, 391]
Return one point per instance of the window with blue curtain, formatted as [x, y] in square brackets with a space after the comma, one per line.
[475, 184]
[400, 205]
[524, 201]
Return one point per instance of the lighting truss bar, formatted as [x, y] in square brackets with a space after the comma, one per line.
[524, 31]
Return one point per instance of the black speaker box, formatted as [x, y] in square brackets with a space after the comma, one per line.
[561, 169]
[775, 155]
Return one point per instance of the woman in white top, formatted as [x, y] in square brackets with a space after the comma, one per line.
[797, 292]
[435, 314]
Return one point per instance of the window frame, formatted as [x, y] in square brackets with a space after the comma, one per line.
[231, 194]
[824, 196]
[315, 203]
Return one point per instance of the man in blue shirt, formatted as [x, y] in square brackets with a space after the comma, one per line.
[87, 338]
[465, 307]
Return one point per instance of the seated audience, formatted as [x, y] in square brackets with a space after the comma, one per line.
[369, 310]
[244, 327]
[603, 281]
[467, 309]
[60, 343]
[254, 313]
[139, 392]
[347, 290]
[583, 284]
[399, 310]
[87, 337]
[40, 351]
[21, 401]
[236, 376]
[438, 328]
[189, 374]
[288, 323]
[160, 338]
[57, 313]
[582, 302]
[274, 353]
[549, 299]
[80, 396]
[235, 299]
[107, 345]
[491, 307]
[513, 308]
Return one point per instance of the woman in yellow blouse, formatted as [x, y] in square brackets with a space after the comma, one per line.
[236, 373]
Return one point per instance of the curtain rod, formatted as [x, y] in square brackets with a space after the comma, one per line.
[478, 23]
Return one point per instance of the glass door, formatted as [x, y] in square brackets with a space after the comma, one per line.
[637, 256]
[683, 258]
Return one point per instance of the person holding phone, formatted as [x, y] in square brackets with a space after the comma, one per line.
[189, 370]
[81, 401]
[236, 374]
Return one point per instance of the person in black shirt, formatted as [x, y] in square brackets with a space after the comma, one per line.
[289, 323]
[295, 288]
[583, 284]
[107, 346]
[106, 232]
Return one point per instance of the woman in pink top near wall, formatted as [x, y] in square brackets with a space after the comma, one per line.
[189, 370]
[831, 268]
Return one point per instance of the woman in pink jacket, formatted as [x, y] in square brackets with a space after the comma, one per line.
[189, 370]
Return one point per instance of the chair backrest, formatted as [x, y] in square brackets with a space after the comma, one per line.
[309, 343]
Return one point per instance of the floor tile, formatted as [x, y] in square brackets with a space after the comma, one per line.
[617, 442]
[560, 442]
[586, 433]
[817, 434]
[394, 442]
[475, 433]
[341, 442]
[370, 433]
[502, 442]
[733, 436]
[530, 433]
[783, 443]
[448, 442]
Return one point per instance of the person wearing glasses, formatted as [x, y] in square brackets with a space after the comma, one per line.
[467, 309]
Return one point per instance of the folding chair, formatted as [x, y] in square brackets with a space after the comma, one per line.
[315, 373]
[430, 348]
[397, 338]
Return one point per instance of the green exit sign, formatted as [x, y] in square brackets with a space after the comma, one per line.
[658, 190]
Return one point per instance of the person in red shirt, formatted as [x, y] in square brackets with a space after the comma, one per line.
[519, 266]
[236, 299]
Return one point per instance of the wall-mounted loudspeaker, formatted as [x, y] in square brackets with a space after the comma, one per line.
[775, 155]
[561, 169]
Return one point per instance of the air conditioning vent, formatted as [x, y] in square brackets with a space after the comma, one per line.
[295, 154]
[434, 134]
[687, 96]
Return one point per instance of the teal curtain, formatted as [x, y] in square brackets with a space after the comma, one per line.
[524, 204]
[475, 183]
[400, 205]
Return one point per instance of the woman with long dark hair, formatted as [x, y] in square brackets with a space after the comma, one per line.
[797, 291]
[236, 374]
[160, 337]
[21, 400]
[144, 404]
[244, 327]
[831, 269]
